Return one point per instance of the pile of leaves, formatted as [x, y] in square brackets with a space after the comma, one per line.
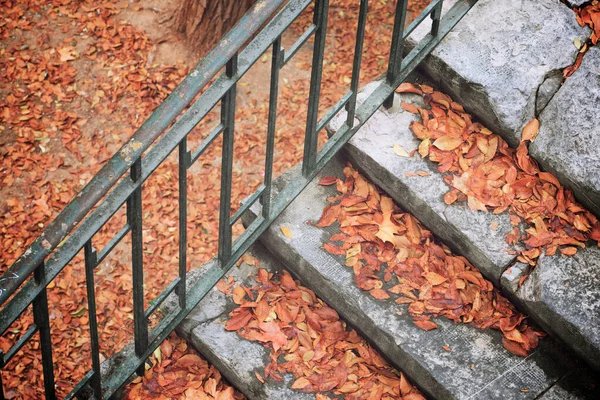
[394, 256]
[178, 372]
[483, 170]
[588, 15]
[318, 349]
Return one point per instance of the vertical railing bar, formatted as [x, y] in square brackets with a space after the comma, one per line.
[311, 137]
[276, 63]
[435, 16]
[42, 320]
[134, 218]
[184, 161]
[228, 121]
[91, 260]
[358, 50]
[397, 47]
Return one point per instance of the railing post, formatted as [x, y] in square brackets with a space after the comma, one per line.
[397, 47]
[134, 218]
[435, 16]
[276, 63]
[311, 137]
[358, 49]
[91, 261]
[184, 163]
[42, 320]
[228, 121]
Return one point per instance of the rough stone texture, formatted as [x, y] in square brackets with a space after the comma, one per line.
[477, 367]
[563, 295]
[575, 385]
[568, 143]
[466, 231]
[235, 357]
[500, 53]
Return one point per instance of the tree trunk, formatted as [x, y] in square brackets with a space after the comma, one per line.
[204, 22]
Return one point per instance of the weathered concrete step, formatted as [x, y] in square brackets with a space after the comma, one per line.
[236, 358]
[477, 365]
[564, 295]
[572, 315]
[467, 232]
[504, 63]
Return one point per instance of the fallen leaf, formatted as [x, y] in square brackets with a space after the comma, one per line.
[531, 130]
[286, 231]
[400, 151]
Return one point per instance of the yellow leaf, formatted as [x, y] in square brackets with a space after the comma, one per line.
[424, 148]
[286, 231]
[448, 143]
[531, 130]
[400, 151]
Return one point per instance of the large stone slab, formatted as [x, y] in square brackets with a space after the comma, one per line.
[563, 295]
[476, 367]
[568, 143]
[476, 235]
[503, 60]
[236, 358]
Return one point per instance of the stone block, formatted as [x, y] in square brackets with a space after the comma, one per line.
[568, 143]
[563, 295]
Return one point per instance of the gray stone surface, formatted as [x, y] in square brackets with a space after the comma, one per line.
[500, 54]
[235, 357]
[477, 367]
[568, 143]
[468, 232]
[563, 295]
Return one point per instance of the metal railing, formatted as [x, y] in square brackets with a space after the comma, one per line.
[261, 28]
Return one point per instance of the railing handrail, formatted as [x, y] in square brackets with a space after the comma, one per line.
[140, 141]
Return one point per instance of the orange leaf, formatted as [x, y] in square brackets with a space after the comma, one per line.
[411, 108]
[379, 294]
[327, 180]
[514, 347]
[407, 87]
[238, 295]
[448, 143]
[531, 130]
[426, 325]
[569, 251]
[434, 279]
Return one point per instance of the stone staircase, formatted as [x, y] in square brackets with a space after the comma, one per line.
[504, 63]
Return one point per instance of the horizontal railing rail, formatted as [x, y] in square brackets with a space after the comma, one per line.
[166, 130]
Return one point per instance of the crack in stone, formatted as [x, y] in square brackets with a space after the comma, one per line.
[551, 84]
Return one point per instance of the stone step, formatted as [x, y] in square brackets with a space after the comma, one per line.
[477, 365]
[236, 358]
[572, 315]
[504, 62]
[563, 293]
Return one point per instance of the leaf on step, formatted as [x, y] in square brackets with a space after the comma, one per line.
[327, 180]
[426, 325]
[406, 87]
[514, 347]
[286, 231]
[400, 151]
[530, 130]
[379, 294]
[448, 143]
[411, 108]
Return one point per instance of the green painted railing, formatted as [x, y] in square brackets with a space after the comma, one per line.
[106, 192]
